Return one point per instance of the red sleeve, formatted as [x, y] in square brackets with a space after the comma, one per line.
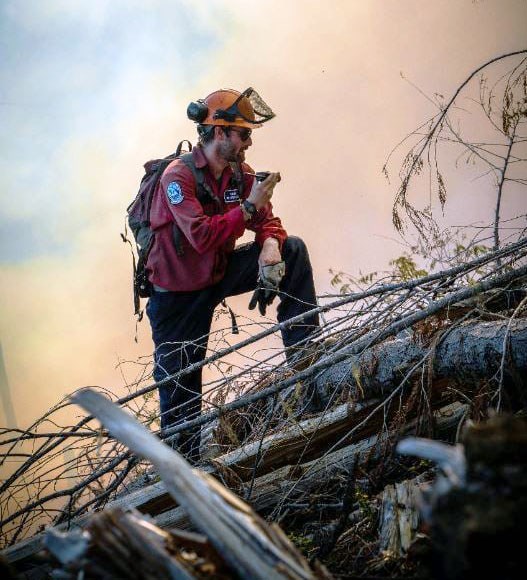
[264, 223]
[202, 231]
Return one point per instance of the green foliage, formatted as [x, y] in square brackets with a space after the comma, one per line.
[441, 251]
[368, 278]
[365, 504]
[405, 268]
[305, 545]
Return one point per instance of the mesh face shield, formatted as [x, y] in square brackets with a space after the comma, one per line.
[249, 106]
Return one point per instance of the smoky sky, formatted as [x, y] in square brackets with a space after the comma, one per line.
[91, 89]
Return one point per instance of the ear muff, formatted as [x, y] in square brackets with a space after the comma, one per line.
[197, 111]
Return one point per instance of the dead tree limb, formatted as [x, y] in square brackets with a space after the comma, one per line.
[516, 249]
[250, 546]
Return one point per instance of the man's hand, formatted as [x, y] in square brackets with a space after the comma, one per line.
[269, 280]
[262, 191]
[271, 272]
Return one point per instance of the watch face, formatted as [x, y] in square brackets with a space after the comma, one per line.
[250, 207]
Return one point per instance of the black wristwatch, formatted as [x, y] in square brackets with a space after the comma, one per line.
[249, 207]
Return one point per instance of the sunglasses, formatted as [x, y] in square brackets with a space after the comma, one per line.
[244, 133]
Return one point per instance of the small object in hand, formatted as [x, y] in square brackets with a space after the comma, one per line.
[261, 175]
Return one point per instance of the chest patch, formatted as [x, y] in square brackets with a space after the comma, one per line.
[231, 195]
[174, 193]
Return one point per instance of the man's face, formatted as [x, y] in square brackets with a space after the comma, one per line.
[233, 145]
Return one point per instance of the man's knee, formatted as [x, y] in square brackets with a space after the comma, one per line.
[295, 246]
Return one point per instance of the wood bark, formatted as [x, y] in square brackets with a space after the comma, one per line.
[118, 544]
[468, 352]
[399, 517]
[308, 438]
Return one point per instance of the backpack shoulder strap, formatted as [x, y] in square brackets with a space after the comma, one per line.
[203, 191]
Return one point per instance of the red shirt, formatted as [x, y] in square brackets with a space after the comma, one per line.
[208, 237]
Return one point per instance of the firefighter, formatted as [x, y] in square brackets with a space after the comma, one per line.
[202, 205]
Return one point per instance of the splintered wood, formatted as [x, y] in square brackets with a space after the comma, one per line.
[247, 544]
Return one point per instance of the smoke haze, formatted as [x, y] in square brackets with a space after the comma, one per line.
[91, 90]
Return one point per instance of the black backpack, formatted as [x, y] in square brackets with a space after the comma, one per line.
[138, 215]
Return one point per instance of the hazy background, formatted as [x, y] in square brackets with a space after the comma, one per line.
[92, 89]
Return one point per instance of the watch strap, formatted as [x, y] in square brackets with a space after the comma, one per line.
[249, 207]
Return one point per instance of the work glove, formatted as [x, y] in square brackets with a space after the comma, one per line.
[269, 279]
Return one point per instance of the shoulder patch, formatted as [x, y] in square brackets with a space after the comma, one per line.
[174, 193]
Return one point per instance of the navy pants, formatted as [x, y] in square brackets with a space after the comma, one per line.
[181, 323]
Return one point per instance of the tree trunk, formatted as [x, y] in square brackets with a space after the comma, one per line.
[467, 353]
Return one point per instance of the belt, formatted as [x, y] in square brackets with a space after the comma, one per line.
[159, 289]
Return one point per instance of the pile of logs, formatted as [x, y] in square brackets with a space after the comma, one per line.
[329, 475]
[473, 511]
[289, 471]
[237, 542]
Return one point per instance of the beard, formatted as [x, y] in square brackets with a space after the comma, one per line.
[230, 153]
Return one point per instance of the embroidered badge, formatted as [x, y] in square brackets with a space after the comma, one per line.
[174, 193]
[231, 195]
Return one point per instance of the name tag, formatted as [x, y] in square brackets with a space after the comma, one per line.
[231, 195]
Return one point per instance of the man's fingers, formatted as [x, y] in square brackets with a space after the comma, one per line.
[274, 176]
[263, 296]
[254, 299]
[269, 296]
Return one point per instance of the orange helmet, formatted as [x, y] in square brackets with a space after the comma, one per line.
[230, 107]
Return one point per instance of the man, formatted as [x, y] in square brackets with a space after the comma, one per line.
[203, 204]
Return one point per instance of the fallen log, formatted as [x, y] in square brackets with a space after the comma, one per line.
[118, 544]
[291, 482]
[306, 439]
[467, 353]
[355, 346]
[378, 369]
[389, 539]
[267, 489]
[250, 546]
